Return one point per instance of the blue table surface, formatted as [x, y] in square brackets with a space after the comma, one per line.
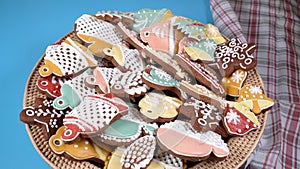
[27, 28]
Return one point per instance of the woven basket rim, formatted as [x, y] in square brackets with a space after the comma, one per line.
[52, 165]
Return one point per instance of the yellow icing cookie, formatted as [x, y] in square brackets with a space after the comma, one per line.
[234, 83]
[115, 53]
[212, 31]
[156, 107]
[97, 45]
[253, 97]
[80, 149]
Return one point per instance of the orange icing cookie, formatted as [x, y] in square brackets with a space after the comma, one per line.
[253, 97]
[233, 84]
[159, 107]
[81, 149]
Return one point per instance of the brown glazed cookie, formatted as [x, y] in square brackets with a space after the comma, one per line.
[235, 55]
[43, 115]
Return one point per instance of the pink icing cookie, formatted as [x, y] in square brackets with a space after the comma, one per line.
[189, 144]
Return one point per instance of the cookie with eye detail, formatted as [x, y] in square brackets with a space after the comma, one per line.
[80, 149]
[50, 85]
[235, 55]
[123, 58]
[73, 92]
[65, 59]
[93, 115]
[44, 115]
[112, 80]
[157, 107]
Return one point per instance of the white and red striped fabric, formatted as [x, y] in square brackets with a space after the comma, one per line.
[274, 25]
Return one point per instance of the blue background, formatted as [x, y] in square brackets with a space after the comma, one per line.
[27, 28]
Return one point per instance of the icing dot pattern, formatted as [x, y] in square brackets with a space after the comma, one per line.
[100, 29]
[139, 153]
[68, 59]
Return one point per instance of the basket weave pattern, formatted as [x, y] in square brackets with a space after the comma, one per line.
[240, 146]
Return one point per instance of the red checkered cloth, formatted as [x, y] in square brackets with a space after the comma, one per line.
[274, 25]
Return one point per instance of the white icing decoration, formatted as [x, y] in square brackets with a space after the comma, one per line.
[255, 90]
[232, 117]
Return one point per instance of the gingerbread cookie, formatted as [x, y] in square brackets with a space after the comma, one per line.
[65, 60]
[235, 55]
[233, 84]
[112, 80]
[239, 120]
[212, 32]
[191, 28]
[114, 161]
[204, 116]
[202, 73]
[160, 36]
[189, 144]
[144, 17]
[91, 26]
[50, 85]
[156, 107]
[253, 97]
[168, 160]
[140, 153]
[124, 59]
[203, 50]
[73, 92]
[93, 116]
[115, 16]
[170, 65]
[81, 149]
[43, 115]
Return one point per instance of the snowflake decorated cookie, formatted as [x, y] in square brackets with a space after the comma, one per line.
[233, 84]
[252, 96]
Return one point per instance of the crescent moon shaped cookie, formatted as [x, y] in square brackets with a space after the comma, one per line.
[235, 55]
[80, 149]
[203, 50]
[155, 107]
[233, 84]
[139, 154]
[253, 97]
[93, 116]
[43, 115]
[73, 92]
[189, 144]
[239, 120]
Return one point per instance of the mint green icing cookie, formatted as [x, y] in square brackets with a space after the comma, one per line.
[68, 98]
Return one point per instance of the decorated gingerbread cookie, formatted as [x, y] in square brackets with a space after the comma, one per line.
[160, 36]
[203, 50]
[239, 120]
[252, 96]
[91, 26]
[235, 55]
[212, 32]
[93, 116]
[233, 84]
[189, 144]
[73, 92]
[50, 85]
[81, 149]
[124, 59]
[115, 16]
[112, 80]
[145, 17]
[43, 115]
[204, 116]
[156, 107]
[139, 154]
[191, 28]
[65, 60]
[202, 73]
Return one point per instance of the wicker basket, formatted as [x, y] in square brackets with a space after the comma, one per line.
[240, 146]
